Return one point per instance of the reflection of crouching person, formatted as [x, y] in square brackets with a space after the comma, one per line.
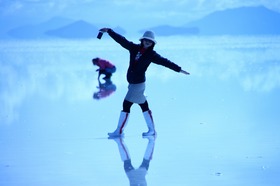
[105, 67]
[105, 89]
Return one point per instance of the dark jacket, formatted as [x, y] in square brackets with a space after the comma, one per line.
[136, 71]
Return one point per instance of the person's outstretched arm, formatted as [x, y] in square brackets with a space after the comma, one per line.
[184, 72]
[118, 38]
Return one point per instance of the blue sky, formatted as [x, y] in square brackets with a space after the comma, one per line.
[133, 14]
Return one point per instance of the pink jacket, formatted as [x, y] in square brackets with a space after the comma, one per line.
[103, 64]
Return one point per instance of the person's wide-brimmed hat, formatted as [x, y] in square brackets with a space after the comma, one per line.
[149, 35]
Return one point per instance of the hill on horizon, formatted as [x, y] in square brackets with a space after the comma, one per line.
[38, 31]
[239, 21]
[166, 30]
[78, 29]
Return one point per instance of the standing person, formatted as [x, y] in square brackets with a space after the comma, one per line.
[105, 67]
[141, 56]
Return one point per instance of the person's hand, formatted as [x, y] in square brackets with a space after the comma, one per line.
[185, 72]
[104, 29]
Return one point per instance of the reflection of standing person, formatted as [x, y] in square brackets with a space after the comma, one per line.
[105, 89]
[105, 67]
[141, 56]
[136, 176]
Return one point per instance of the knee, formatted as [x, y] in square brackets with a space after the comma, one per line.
[126, 106]
[144, 106]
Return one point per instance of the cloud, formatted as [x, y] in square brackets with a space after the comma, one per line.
[266, 80]
[10, 7]
[252, 62]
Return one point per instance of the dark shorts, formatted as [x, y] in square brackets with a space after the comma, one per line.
[111, 70]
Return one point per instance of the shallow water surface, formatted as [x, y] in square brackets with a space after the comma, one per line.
[218, 126]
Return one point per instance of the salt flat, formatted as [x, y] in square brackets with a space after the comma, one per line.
[218, 126]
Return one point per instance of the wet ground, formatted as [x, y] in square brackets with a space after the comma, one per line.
[218, 126]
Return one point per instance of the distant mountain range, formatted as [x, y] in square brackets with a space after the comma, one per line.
[166, 30]
[38, 31]
[58, 27]
[77, 29]
[238, 21]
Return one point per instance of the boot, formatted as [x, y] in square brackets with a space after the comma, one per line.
[150, 123]
[150, 147]
[121, 125]
[123, 150]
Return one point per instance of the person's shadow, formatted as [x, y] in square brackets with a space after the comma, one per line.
[104, 89]
[136, 176]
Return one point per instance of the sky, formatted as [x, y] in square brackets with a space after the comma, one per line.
[133, 14]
